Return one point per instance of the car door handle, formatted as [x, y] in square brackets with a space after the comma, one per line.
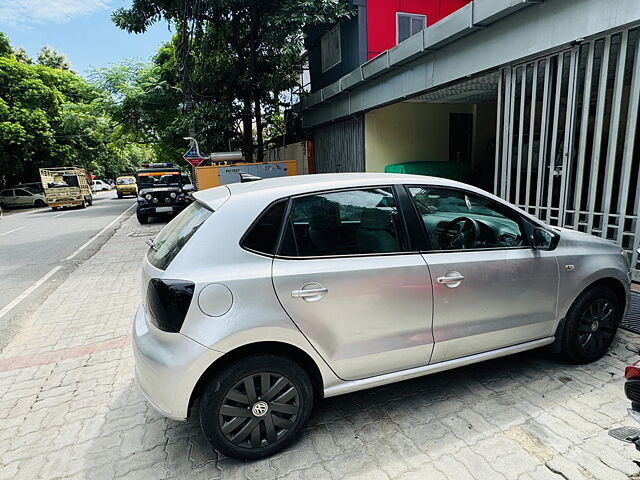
[310, 292]
[451, 279]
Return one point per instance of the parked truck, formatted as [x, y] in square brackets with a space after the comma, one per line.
[66, 187]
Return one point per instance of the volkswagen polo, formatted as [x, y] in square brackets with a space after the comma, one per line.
[260, 297]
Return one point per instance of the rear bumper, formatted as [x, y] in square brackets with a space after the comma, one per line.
[65, 204]
[168, 367]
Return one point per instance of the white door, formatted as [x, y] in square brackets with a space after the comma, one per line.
[8, 197]
[346, 279]
[490, 289]
[23, 198]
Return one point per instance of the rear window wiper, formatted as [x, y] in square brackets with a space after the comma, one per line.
[152, 244]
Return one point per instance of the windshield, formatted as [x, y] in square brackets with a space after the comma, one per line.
[176, 234]
[154, 179]
[125, 181]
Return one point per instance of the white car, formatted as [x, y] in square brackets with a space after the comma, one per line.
[99, 185]
[22, 197]
[260, 297]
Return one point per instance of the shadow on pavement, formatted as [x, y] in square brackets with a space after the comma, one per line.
[393, 429]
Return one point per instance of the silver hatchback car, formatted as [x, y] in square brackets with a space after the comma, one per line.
[262, 296]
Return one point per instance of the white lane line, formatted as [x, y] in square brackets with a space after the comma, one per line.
[11, 231]
[60, 214]
[98, 234]
[28, 291]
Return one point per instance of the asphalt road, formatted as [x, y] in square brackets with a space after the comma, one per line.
[40, 247]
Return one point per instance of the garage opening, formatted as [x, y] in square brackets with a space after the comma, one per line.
[448, 133]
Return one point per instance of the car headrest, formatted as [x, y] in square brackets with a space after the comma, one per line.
[375, 219]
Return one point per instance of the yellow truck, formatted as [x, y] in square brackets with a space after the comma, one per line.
[66, 187]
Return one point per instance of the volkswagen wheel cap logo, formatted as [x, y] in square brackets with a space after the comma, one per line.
[260, 408]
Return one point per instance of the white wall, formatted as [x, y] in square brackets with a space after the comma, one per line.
[293, 151]
[408, 132]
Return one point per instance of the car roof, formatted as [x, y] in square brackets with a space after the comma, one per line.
[271, 189]
[297, 184]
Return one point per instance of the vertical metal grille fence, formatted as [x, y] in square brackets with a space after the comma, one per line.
[339, 147]
[568, 147]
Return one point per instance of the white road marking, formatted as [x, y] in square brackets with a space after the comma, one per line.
[98, 234]
[28, 291]
[11, 231]
[60, 214]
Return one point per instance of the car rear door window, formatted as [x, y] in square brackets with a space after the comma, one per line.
[176, 234]
[263, 234]
[351, 222]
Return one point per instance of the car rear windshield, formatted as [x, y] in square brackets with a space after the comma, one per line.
[176, 235]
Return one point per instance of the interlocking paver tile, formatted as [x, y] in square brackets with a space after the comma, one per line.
[70, 407]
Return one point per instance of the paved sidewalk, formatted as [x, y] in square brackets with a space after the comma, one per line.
[70, 407]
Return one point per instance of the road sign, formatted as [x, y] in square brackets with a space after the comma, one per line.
[193, 157]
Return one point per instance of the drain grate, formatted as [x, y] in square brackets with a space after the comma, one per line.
[632, 320]
[626, 434]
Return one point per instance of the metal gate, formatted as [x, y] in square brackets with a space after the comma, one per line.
[339, 147]
[568, 146]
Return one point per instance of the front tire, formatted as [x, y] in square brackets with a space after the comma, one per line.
[39, 204]
[256, 406]
[142, 218]
[591, 324]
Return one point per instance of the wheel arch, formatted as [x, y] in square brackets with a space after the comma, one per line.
[273, 347]
[614, 284]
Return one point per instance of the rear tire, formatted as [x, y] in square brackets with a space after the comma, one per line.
[142, 218]
[256, 406]
[591, 324]
[55, 209]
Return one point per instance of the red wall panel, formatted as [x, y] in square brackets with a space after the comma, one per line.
[381, 18]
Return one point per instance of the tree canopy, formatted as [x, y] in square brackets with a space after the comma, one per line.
[233, 58]
[49, 116]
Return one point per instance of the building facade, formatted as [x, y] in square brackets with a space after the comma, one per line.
[538, 98]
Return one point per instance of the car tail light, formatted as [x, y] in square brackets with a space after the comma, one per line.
[632, 372]
[168, 302]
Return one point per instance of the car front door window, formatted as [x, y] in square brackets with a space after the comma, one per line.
[459, 220]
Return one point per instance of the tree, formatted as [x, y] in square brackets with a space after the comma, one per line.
[235, 56]
[52, 59]
[52, 117]
[5, 46]
[21, 55]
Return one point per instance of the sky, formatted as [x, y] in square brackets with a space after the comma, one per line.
[81, 29]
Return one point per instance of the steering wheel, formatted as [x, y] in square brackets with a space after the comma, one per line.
[460, 233]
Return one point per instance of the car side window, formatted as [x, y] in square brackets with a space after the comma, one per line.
[459, 220]
[263, 234]
[6, 193]
[353, 222]
[22, 193]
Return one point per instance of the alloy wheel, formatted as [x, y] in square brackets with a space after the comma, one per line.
[259, 410]
[597, 326]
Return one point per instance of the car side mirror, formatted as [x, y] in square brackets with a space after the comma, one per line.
[543, 239]
[188, 187]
